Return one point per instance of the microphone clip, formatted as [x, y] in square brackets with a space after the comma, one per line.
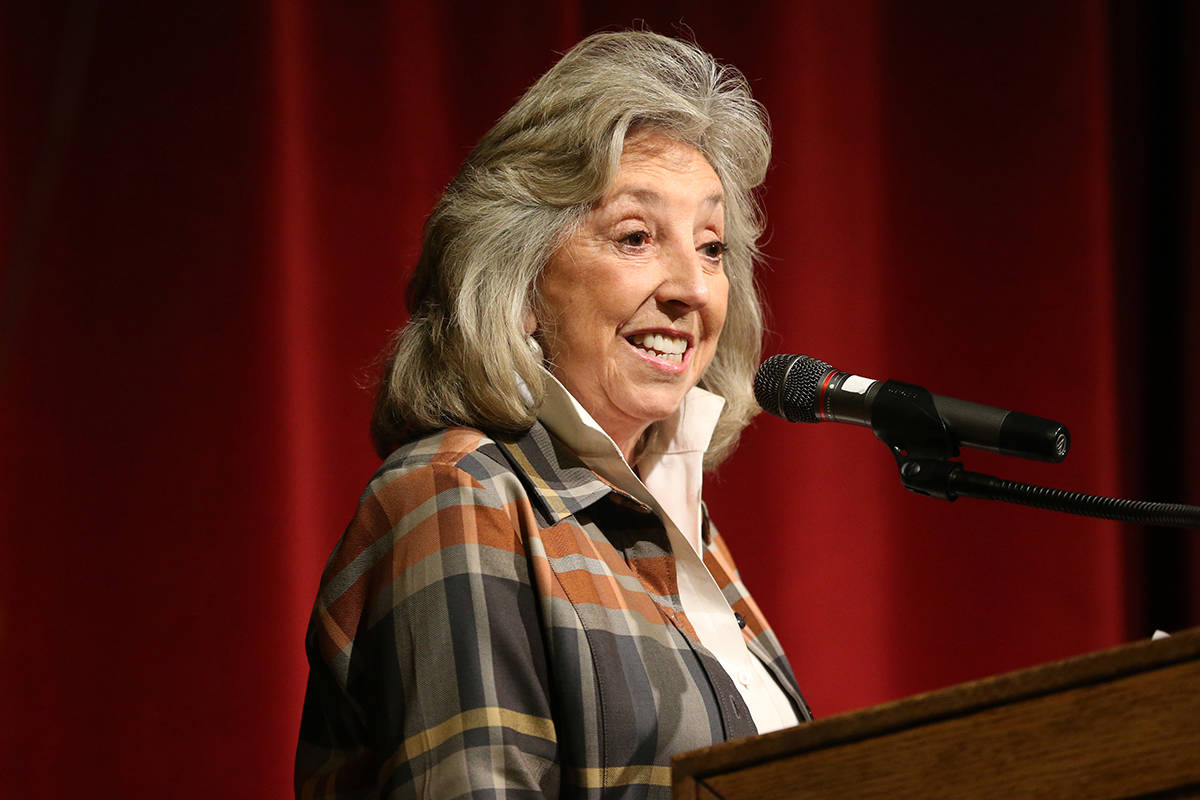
[903, 417]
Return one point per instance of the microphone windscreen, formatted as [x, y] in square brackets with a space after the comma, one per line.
[789, 386]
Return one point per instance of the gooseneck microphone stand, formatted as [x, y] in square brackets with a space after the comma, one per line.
[907, 422]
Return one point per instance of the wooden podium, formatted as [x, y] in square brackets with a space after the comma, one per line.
[1119, 723]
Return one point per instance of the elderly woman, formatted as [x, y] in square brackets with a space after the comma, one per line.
[531, 600]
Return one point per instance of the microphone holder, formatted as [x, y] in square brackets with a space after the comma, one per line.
[904, 418]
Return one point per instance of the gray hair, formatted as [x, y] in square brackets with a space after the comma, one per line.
[464, 354]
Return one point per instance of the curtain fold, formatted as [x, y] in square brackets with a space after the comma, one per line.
[996, 202]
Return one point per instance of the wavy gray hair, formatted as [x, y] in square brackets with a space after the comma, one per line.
[463, 355]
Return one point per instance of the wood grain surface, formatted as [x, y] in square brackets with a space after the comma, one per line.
[1118, 724]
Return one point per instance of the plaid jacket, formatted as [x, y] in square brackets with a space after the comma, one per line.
[497, 621]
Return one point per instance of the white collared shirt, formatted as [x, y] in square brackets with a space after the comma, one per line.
[671, 482]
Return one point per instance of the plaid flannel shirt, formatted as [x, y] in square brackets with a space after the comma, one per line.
[497, 621]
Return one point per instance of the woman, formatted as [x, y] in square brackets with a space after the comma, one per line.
[530, 600]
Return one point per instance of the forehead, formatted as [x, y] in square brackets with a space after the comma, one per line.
[652, 161]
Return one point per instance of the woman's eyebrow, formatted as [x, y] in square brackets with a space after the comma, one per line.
[651, 197]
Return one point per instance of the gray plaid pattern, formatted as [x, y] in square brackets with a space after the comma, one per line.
[497, 621]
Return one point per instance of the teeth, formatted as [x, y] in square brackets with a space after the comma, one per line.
[669, 348]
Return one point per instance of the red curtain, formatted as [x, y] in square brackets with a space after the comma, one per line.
[208, 213]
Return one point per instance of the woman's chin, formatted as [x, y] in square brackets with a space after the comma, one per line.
[654, 405]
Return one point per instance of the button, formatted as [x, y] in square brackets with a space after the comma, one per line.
[744, 678]
[741, 621]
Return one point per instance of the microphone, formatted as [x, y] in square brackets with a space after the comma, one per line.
[805, 389]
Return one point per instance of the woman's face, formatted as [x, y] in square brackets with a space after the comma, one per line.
[630, 308]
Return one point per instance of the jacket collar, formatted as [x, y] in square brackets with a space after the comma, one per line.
[559, 479]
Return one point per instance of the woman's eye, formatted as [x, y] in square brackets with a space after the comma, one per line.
[714, 250]
[636, 238]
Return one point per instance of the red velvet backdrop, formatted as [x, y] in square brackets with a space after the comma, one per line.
[208, 213]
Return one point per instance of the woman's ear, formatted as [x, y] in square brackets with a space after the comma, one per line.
[530, 321]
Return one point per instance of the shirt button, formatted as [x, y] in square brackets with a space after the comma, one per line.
[744, 678]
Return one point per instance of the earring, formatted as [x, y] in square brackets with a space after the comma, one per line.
[535, 347]
[522, 388]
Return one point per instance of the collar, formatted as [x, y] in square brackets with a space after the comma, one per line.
[557, 476]
[671, 466]
[688, 430]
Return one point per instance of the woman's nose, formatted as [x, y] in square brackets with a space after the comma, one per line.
[685, 280]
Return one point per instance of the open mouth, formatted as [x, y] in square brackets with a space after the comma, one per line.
[660, 345]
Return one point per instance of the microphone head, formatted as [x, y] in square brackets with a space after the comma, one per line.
[789, 386]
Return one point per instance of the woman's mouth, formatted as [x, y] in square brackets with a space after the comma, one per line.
[660, 345]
